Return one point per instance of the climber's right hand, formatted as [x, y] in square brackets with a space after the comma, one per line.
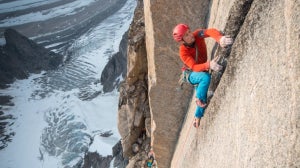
[214, 65]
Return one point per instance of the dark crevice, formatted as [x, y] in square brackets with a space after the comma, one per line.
[236, 18]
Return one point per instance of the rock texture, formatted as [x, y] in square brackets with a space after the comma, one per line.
[119, 160]
[21, 56]
[253, 118]
[134, 113]
[168, 102]
[93, 159]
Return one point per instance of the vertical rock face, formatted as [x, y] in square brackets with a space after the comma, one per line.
[168, 102]
[133, 115]
[253, 118]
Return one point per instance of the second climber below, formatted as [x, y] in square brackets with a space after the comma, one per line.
[193, 54]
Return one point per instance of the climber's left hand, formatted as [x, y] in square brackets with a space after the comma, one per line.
[225, 41]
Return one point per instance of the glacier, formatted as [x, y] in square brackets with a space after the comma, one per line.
[59, 115]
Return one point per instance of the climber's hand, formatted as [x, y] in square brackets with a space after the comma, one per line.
[225, 41]
[214, 65]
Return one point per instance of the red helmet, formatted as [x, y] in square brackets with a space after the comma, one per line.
[179, 31]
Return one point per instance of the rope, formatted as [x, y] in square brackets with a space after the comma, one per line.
[184, 142]
[197, 53]
[196, 60]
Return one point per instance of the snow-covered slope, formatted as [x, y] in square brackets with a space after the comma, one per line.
[59, 115]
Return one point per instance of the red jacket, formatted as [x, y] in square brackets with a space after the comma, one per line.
[188, 54]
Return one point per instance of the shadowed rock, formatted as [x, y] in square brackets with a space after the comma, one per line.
[119, 160]
[116, 67]
[133, 102]
[93, 159]
[21, 56]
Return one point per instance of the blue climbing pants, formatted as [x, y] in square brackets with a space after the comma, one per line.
[201, 80]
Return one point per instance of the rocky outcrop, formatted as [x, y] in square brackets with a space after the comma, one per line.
[93, 159]
[134, 113]
[115, 68]
[119, 160]
[21, 56]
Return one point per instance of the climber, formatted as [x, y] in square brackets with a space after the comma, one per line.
[196, 68]
[151, 162]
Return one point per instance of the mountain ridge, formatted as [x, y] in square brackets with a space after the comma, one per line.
[21, 56]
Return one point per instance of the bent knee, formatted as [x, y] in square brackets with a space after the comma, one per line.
[206, 78]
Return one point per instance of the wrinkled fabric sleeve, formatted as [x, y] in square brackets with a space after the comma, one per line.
[190, 62]
[214, 33]
[201, 67]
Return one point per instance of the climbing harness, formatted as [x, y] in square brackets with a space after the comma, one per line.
[150, 161]
[186, 71]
